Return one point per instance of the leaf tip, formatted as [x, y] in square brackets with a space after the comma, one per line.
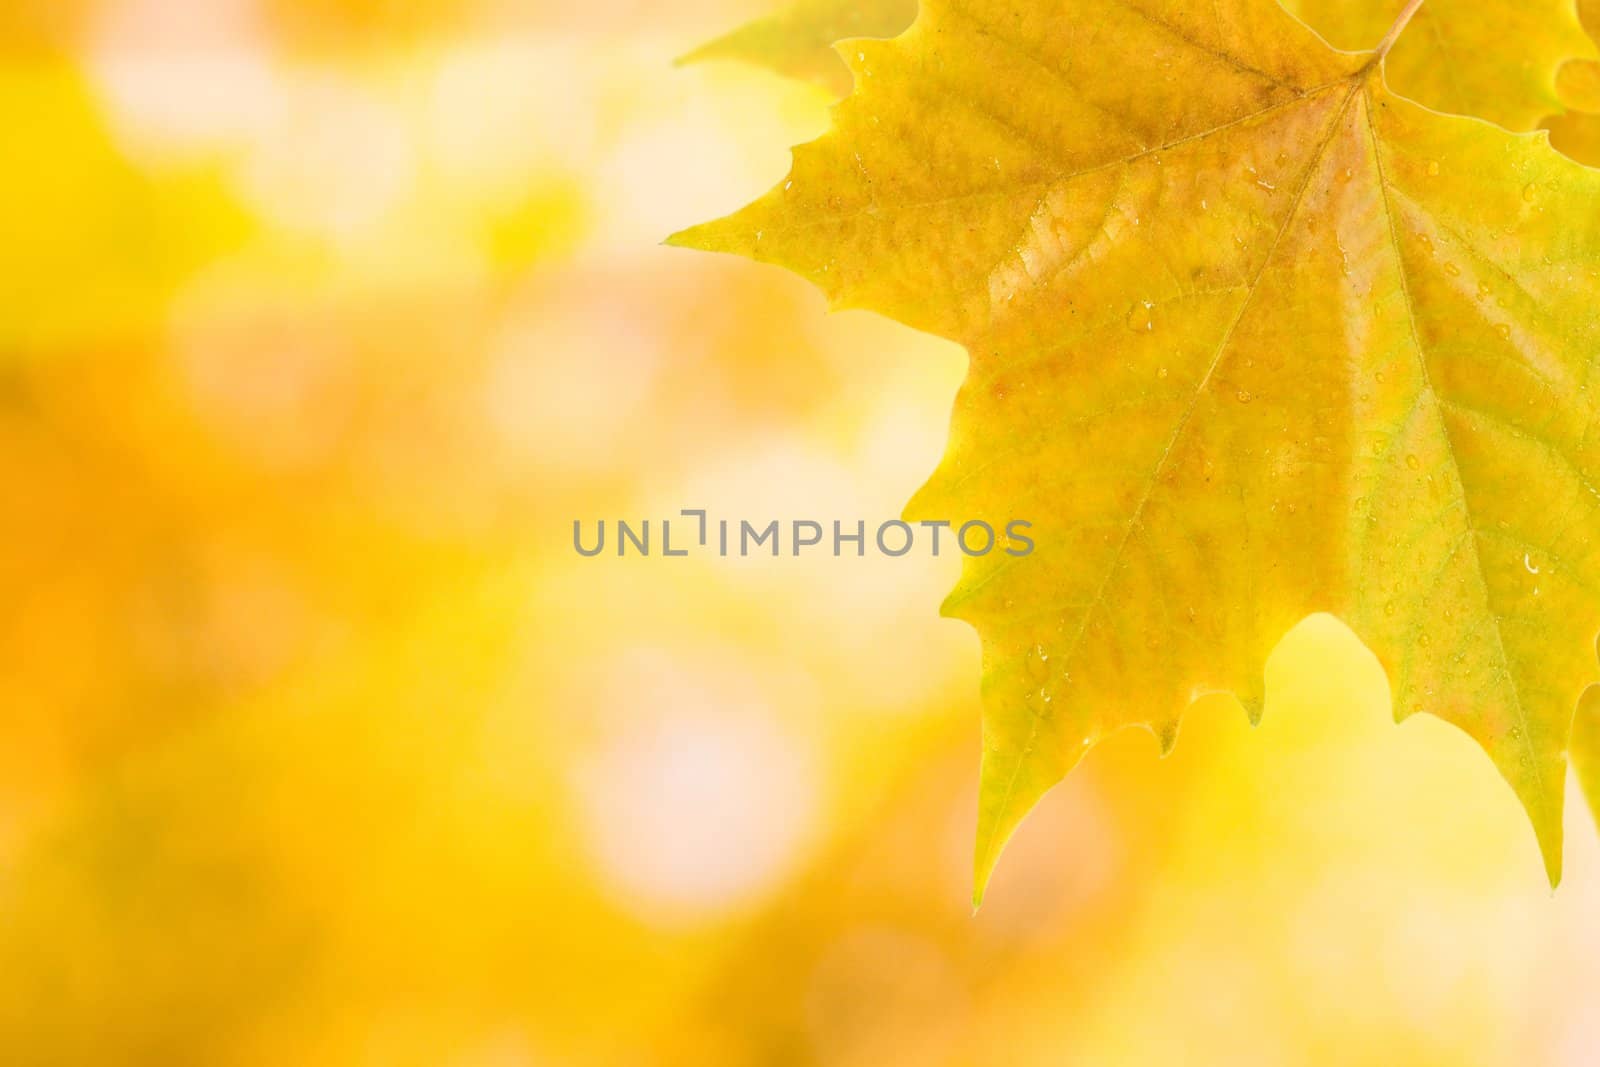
[1552, 864]
[996, 823]
[738, 234]
[722, 47]
[682, 238]
[700, 238]
[1010, 788]
[1547, 825]
[986, 855]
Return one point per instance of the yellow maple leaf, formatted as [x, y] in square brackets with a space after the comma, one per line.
[1497, 59]
[1251, 338]
[798, 42]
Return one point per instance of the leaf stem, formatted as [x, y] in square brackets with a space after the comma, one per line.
[1396, 30]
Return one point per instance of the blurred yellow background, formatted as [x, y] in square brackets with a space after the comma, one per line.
[320, 322]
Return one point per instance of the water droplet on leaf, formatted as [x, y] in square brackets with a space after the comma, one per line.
[1038, 662]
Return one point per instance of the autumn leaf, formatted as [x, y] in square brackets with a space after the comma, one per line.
[1496, 59]
[1251, 337]
[799, 41]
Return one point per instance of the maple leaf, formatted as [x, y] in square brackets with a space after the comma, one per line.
[798, 42]
[1497, 59]
[1251, 337]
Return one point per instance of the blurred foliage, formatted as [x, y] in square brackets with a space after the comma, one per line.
[343, 24]
[1577, 131]
[92, 243]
